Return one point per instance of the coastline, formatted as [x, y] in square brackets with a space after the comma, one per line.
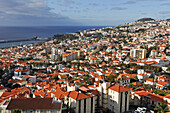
[12, 44]
[19, 32]
[8, 41]
[27, 32]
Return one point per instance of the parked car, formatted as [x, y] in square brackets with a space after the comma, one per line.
[141, 110]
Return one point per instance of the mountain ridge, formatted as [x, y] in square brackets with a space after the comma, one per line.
[145, 19]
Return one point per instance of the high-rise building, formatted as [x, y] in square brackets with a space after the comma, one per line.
[54, 53]
[70, 56]
[54, 50]
[138, 53]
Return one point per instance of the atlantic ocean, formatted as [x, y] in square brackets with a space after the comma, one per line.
[21, 33]
[17, 33]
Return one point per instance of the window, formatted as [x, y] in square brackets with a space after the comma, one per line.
[126, 94]
[112, 108]
[84, 105]
[91, 104]
[152, 102]
[121, 95]
[148, 100]
[79, 106]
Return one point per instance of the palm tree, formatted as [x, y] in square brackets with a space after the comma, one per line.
[161, 108]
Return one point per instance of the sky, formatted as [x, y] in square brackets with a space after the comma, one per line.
[80, 12]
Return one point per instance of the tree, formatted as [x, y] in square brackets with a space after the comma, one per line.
[56, 78]
[16, 85]
[111, 78]
[147, 86]
[16, 111]
[160, 92]
[161, 108]
[71, 110]
[168, 69]
[87, 79]
[1, 73]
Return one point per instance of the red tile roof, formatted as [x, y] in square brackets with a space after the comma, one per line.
[167, 96]
[152, 96]
[33, 103]
[130, 75]
[162, 83]
[151, 80]
[93, 58]
[143, 74]
[83, 88]
[120, 88]
[76, 95]
[59, 93]
[136, 83]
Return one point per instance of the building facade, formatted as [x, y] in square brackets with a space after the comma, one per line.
[138, 53]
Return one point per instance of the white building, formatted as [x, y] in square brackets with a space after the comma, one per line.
[54, 53]
[138, 53]
[118, 98]
[79, 102]
[142, 76]
[70, 56]
[154, 53]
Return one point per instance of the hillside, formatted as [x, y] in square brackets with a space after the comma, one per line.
[145, 19]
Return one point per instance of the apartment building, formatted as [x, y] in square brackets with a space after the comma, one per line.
[138, 53]
[70, 56]
[79, 102]
[118, 98]
[114, 98]
[54, 53]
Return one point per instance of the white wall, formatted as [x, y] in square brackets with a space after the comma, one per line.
[114, 100]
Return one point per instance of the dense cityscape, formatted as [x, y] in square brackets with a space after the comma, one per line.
[120, 69]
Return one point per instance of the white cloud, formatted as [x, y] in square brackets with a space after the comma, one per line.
[118, 8]
[35, 11]
[25, 7]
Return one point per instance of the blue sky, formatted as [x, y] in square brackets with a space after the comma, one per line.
[79, 12]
